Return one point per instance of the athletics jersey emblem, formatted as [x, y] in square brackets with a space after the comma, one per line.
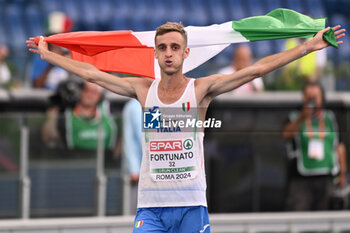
[151, 118]
[186, 106]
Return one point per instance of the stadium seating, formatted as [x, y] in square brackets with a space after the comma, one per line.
[236, 9]
[296, 5]
[196, 13]
[217, 11]
[51, 5]
[3, 39]
[35, 20]
[23, 18]
[177, 13]
[15, 27]
[255, 7]
[273, 4]
[73, 9]
[343, 53]
[315, 8]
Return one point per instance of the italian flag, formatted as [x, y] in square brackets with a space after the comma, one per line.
[133, 52]
[186, 106]
[138, 224]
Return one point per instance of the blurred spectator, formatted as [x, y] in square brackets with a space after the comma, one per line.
[132, 148]
[315, 153]
[307, 68]
[78, 128]
[5, 74]
[45, 75]
[242, 57]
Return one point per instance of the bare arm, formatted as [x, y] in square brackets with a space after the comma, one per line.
[292, 128]
[342, 163]
[49, 130]
[121, 86]
[217, 84]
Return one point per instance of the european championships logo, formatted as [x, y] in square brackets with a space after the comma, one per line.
[151, 118]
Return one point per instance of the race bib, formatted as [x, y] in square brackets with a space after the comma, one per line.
[172, 160]
[316, 150]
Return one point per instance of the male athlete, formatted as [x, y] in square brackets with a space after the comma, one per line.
[175, 202]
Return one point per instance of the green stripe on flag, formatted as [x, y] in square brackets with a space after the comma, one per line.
[173, 170]
[282, 23]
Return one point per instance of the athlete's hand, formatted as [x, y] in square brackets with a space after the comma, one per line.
[318, 42]
[39, 48]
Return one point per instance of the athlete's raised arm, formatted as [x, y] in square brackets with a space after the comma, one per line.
[122, 86]
[217, 84]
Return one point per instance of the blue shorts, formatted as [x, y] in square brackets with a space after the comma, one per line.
[172, 220]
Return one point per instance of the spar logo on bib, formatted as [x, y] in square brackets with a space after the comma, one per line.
[171, 145]
[188, 144]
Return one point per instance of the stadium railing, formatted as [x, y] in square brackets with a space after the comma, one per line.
[23, 103]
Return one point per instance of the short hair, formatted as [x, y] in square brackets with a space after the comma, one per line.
[171, 27]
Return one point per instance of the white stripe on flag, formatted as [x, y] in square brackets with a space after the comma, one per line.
[216, 34]
[204, 42]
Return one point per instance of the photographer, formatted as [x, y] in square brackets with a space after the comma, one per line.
[84, 111]
[316, 155]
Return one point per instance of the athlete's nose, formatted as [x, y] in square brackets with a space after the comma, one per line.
[168, 52]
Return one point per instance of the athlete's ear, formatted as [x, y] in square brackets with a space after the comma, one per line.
[187, 52]
[155, 53]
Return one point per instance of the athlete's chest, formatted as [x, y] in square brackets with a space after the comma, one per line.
[170, 96]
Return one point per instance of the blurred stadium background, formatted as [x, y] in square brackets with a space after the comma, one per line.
[245, 162]
[21, 19]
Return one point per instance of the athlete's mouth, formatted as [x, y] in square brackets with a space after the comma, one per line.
[168, 62]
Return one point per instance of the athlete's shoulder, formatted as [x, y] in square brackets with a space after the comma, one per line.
[147, 81]
[142, 86]
[203, 79]
[142, 82]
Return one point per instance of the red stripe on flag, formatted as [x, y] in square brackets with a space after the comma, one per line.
[135, 61]
[112, 51]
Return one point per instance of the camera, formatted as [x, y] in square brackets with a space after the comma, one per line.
[311, 104]
[67, 94]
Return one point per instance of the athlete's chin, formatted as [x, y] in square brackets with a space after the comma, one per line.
[169, 73]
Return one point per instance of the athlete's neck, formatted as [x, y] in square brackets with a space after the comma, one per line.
[172, 82]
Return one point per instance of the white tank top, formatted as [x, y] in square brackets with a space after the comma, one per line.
[172, 171]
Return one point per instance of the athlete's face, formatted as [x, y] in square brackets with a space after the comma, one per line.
[171, 51]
